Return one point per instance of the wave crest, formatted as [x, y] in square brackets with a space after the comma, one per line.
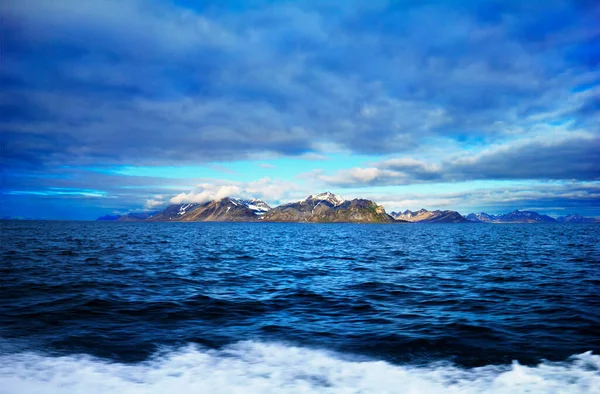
[254, 367]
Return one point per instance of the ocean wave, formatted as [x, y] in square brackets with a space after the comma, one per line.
[255, 367]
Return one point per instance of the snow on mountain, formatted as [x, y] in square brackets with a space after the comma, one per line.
[426, 216]
[482, 217]
[256, 205]
[331, 198]
[329, 208]
[184, 207]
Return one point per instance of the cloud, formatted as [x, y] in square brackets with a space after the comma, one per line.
[266, 166]
[360, 177]
[436, 91]
[206, 192]
[575, 156]
[152, 204]
[272, 191]
[144, 82]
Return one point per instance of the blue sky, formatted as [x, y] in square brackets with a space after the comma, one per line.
[115, 106]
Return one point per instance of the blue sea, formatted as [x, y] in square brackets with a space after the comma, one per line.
[111, 307]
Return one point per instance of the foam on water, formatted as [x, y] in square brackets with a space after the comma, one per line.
[253, 367]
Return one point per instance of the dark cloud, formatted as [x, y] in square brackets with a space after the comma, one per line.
[147, 82]
[576, 157]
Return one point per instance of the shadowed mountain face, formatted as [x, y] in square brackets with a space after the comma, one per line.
[425, 216]
[225, 210]
[109, 218]
[135, 216]
[330, 208]
[129, 217]
[575, 219]
[512, 217]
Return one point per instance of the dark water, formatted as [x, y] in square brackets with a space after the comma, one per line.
[223, 307]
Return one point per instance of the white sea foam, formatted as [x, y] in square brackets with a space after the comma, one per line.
[251, 367]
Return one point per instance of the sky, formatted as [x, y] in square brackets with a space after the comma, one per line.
[110, 106]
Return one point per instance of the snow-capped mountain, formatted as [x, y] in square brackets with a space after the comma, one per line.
[224, 210]
[331, 198]
[512, 217]
[408, 215]
[482, 217]
[228, 209]
[329, 208]
[426, 216]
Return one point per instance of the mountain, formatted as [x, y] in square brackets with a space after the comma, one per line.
[225, 210]
[228, 209]
[482, 217]
[324, 208]
[527, 217]
[329, 197]
[129, 217]
[329, 208]
[17, 218]
[136, 216]
[425, 216]
[512, 217]
[576, 219]
[109, 217]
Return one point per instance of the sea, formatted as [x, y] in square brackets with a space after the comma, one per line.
[117, 307]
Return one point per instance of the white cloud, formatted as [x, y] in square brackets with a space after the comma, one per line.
[273, 191]
[361, 176]
[206, 192]
[154, 203]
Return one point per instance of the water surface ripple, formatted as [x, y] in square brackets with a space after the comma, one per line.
[468, 294]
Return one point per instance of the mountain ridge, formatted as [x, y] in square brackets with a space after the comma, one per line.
[425, 216]
[516, 216]
[227, 209]
[329, 208]
[326, 207]
[575, 218]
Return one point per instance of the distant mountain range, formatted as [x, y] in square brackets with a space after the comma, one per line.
[576, 219]
[129, 217]
[324, 208]
[527, 217]
[512, 217]
[426, 216]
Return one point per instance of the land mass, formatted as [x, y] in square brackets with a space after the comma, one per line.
[325, 208]
[425, 216]
[329, 208]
